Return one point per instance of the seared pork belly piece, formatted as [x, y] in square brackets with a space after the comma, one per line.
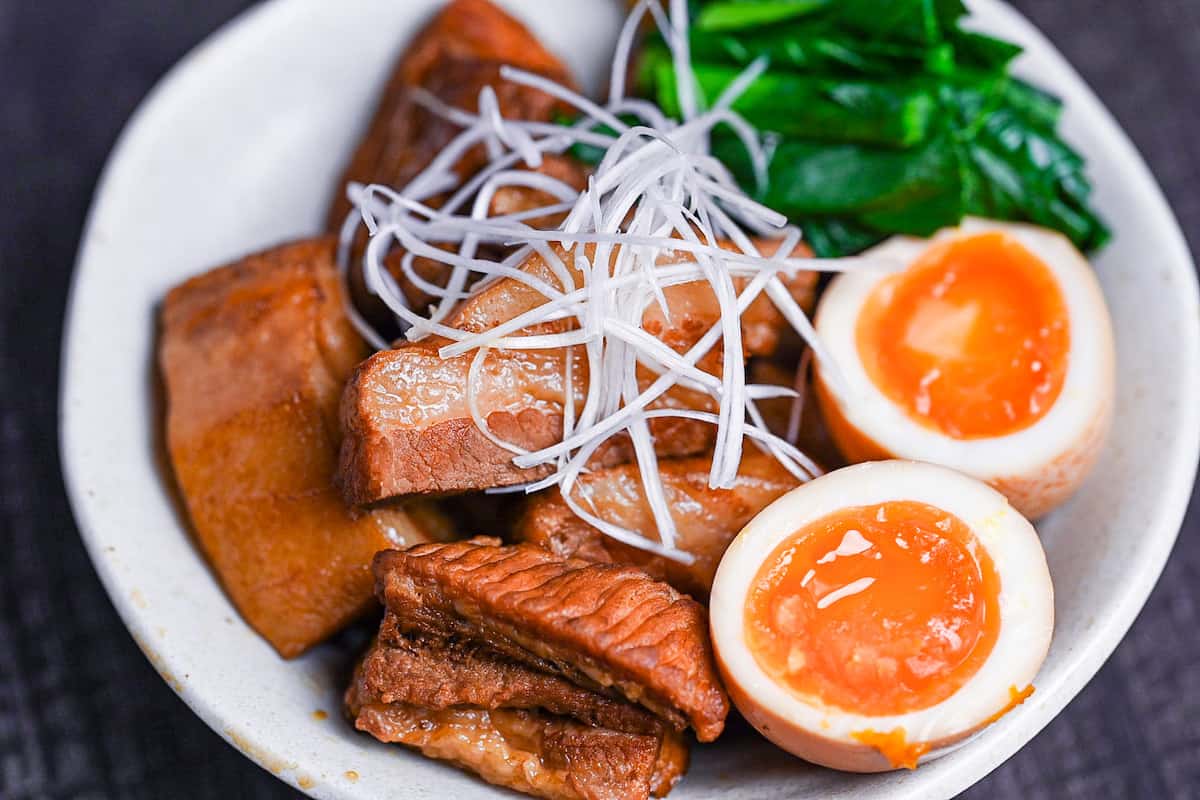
[253, 357]
[457, 701]
[459, 53]
[693, 306]
[455, 56]
[409, 430]
[538, 754]
[407, 421]
[706, 519]
[507, 200]
[438, 673]
[605, 627]
[812, 437]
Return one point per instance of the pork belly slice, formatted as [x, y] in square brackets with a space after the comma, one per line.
[812, 437]
[605, 627]
[253, 358]
[459, 53]
[693, 306]
[438, 673]
[409, 429]
[455, 56]
[506, 200]
[513, 726]
[538, 754]
[706, 519]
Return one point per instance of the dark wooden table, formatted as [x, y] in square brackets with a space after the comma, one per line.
[82, 714]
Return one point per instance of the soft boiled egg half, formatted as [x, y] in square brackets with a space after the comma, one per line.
[880, 614]
[990, 352]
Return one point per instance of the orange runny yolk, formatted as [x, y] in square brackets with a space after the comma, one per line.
[876, 610]
[894, 746]
[972, 340]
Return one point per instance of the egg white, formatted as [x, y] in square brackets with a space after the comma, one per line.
[1039, 466]
[805, 726]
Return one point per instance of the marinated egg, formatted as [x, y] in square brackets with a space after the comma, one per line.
[880, 614]
[991, 352]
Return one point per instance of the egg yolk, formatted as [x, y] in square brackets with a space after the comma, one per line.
[972, 340]
[894, 746]
[877, 610]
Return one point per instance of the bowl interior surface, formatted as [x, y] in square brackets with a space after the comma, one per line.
[239, 148]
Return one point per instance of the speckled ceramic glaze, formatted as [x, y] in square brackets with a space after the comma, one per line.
[238, 148]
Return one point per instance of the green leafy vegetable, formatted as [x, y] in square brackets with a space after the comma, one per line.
[811, 49]
[815, 108]
[808, 178]
[887, 117]
[588, 153]
[983, 52]
[830, 237]
[737, 14]
[923, 22]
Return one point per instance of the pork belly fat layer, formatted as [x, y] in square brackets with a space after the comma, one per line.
[434, 673]
[605, 627]
[253, 358]
[538, 754]
[706, 519]
[502, 720]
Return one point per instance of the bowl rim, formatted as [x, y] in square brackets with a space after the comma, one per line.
[1084, 662]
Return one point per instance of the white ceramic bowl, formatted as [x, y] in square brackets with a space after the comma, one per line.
[238, 148]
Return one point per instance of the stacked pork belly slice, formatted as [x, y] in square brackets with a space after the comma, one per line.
[557, 677]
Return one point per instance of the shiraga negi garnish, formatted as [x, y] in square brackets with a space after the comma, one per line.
[886, 117]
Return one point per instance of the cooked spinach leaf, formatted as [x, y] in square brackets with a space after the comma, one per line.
[886, 116]
[890, 114]
[739, 14]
